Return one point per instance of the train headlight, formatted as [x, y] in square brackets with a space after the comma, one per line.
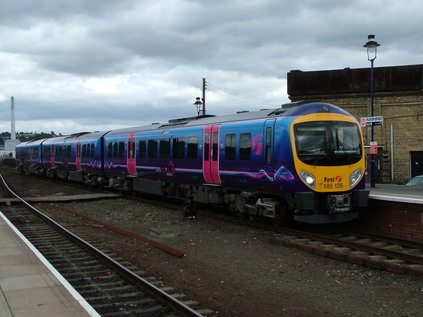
[308, 178]
[355, 177]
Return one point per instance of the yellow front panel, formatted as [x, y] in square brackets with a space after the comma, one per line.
[328, 178]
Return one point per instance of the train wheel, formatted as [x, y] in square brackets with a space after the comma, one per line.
[241, 214]
[281, 216]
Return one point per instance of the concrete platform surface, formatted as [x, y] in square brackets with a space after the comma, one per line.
[398, 193]
[29, 285]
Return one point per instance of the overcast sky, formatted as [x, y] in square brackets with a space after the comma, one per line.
[75, 65]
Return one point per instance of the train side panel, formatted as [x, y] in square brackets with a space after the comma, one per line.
[29, 155]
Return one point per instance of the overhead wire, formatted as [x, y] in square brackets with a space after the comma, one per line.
[239, 100]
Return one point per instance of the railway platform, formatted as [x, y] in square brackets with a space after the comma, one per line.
[397, 193]
[29, 285]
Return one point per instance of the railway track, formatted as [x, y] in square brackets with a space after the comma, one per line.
[371, 250]
[379, 252]
[111, 286]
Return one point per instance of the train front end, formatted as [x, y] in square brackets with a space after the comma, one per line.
[330, 163]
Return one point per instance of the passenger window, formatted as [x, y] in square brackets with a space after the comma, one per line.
[152, 149]
[142, 149]
[165, 148]
[121, 149]
[230, 144]
[110, 149]
[115, 149]
[178, 148]
[245, 146]
[192, 148]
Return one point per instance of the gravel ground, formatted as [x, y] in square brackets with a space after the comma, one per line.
[232, 269]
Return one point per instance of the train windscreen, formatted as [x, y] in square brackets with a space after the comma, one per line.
[328, 143]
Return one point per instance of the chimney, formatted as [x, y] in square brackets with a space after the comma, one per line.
[12, 129]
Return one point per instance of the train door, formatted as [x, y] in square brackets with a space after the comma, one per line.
[78, 155]
[211, 154]
[269, 132]
[131, 159]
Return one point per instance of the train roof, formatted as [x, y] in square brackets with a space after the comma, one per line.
[286, 110]
[86, 135]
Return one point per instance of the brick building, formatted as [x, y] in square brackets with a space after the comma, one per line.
[398, 97]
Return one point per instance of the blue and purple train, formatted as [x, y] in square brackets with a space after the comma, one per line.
[304, 161]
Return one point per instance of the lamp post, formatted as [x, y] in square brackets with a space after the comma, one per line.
[371, 47]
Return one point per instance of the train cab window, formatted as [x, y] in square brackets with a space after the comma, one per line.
[152, 149]
[230, 144]
[142, 149]
[245, 146]
[178, 148]
[121, 149]
[192, 148]
[165, 148]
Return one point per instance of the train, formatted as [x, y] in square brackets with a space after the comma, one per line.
[303, 162]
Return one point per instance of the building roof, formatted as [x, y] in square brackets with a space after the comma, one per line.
[354, 81]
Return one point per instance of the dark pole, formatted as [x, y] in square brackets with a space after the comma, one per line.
[372, 157]
[371, 46]
[204, 96]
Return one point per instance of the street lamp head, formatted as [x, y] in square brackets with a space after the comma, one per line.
[198, 104]
[371, 46]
